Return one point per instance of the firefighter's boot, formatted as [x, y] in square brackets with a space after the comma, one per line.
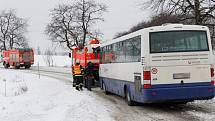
[73, 84]
[77, 87]
[81, 86]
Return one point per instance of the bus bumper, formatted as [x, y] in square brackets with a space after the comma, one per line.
[177, 94]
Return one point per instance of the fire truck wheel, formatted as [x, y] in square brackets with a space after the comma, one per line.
[17, 67]
[6, 65]
[27, 66]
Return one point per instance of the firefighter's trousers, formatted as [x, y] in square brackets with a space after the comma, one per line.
[89, 81]
[78, 81]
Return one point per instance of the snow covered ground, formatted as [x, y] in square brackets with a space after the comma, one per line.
[29, 98]
[52, 98]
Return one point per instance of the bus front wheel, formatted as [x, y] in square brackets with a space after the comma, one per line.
[104, 88]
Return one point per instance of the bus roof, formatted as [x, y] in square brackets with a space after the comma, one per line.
[164, 27]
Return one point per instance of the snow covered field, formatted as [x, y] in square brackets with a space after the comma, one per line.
[61, 61]
[29, 98]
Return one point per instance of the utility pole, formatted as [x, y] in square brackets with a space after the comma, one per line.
[38, 69]
[5, 91]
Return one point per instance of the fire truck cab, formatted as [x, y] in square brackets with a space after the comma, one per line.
[18, 58]
[90, 53]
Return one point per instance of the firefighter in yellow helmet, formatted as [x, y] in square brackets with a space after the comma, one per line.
[78, 76]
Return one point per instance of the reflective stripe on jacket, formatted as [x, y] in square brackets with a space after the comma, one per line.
[77, 70]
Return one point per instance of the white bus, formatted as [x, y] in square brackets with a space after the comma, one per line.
[168, 63]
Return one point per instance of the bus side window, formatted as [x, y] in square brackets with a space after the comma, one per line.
[133, 49]
[120, 52]
[112, 57]
[137, 48]
[129, 51]
[103, 54]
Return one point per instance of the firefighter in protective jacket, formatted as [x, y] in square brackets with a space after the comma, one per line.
[77, 76]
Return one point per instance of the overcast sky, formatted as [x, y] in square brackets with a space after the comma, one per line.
[121, 15]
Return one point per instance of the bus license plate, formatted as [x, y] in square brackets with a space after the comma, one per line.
[181, 76]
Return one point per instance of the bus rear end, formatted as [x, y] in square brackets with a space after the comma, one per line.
[180, 67]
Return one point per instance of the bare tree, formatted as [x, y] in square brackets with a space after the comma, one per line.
[48, 57]
[70, 24]
[155, 20]
[12, 30]
[198, 11]
[88, 13]
[61, 28]
[16, 34]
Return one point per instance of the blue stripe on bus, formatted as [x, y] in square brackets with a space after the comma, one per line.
[179, 85]
[162, 92]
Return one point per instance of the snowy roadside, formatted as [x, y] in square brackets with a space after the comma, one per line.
[29, 98]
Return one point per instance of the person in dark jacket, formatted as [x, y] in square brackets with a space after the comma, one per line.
[78, 76]
[89, 75]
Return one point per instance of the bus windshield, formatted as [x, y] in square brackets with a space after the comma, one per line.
[178, 41]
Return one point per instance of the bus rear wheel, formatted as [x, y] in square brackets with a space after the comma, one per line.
[128, 98]
[104, 88]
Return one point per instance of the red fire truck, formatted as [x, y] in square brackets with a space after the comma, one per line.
[90, 53]
[18, 58]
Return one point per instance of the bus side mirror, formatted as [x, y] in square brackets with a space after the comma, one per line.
[70, 55]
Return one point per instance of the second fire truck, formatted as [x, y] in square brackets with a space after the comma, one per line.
[18, 58]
